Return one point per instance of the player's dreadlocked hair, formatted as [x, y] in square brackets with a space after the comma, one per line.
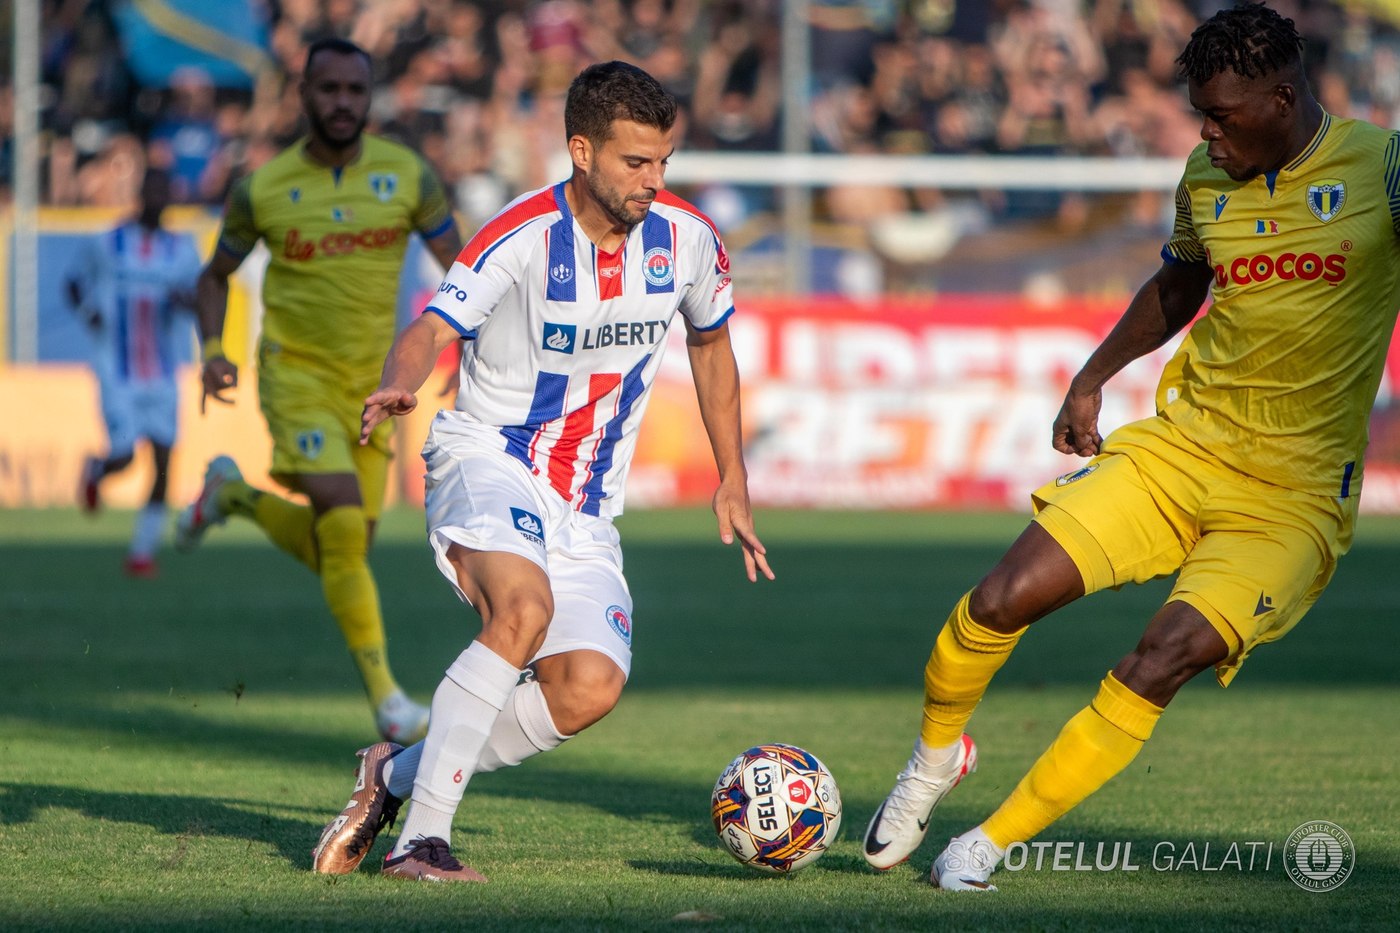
[1251, 40]
[612, 91]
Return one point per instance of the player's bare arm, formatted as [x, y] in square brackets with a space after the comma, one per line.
[407, 367]
[445, 248]
[219, 374]
[1165, 304]
[716, 378]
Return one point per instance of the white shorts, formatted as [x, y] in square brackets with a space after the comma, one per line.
[134, 410]
[478, 496]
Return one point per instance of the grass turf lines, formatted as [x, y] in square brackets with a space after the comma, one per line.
[171, 749]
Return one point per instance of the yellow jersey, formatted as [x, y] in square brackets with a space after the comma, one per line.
[1278, 377]
[337, 238]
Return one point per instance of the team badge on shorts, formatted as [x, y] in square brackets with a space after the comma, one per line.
[311, 443]
[617, 618]
[1326, 197]
[1076, 475]
[528, 524]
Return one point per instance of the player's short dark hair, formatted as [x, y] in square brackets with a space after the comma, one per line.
[1251, 40]
[611, 91]
[336, 45]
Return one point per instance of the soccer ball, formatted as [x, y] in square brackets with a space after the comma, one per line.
[776, 808]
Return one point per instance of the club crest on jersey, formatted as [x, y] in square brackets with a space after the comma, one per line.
[1325, 199]
[383, 184]
[658, 266]
[311, 442]
[617, 618]
[528, 524]
[1076, 475]
[561, 273]
[559, 337]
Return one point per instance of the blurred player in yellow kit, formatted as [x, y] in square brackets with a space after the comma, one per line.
[335, 210]
[1245, 482]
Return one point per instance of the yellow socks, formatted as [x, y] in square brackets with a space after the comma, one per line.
[286, 524]
[964, 658]
[1097, 743]
[350, 591]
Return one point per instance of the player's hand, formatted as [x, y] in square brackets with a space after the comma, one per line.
[1077, 425]
[735, 516]
[220, 375]
[381, 405]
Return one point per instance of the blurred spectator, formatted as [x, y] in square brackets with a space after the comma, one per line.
[186, 140]
[475, 85]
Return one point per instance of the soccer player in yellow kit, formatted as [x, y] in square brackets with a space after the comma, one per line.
[335, 210]
[1246, 480]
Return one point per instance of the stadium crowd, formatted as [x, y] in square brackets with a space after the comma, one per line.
[477, 88]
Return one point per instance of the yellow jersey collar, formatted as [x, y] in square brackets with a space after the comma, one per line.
[1312, 146]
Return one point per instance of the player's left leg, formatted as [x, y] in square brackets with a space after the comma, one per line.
[342, 530]
[119, 416]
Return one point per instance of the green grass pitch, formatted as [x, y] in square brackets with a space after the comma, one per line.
[172, 748]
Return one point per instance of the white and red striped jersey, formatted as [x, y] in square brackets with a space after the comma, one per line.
[128, 278]
[564, 340]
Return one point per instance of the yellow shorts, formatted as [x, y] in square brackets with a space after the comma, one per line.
[1253, 557]
[315, 426]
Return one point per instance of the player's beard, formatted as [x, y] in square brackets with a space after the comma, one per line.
[618, 206]
[336, 140]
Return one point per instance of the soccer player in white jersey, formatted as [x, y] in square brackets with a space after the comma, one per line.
[130, 286]
[563, 301]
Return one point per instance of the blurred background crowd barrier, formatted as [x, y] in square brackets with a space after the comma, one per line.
[935, 208]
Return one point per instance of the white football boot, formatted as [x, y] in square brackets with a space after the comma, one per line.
[967, 863]
[204, 512]
[899, 826]
[401, 720]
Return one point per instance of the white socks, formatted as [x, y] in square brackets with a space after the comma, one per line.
[929, 760]
[465, 708]
[523, 729]
[145, 538]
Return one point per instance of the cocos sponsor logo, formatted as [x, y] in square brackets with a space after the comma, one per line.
[1287, 266]
[339, 244]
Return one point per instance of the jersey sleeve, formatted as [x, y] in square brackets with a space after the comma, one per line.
[468, 295]
[433, 216]
[1184, 244]
[240, 233]
[710, 302]
[1392, 179]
